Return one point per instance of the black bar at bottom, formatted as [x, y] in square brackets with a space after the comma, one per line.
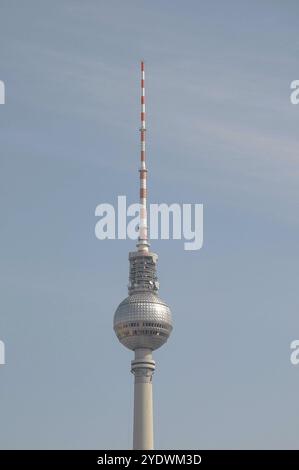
[133, 459]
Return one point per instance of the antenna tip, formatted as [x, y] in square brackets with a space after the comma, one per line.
[142, 65]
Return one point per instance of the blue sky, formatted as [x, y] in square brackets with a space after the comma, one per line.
[221, 132]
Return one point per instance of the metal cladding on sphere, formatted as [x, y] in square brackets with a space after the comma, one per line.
[143, 320]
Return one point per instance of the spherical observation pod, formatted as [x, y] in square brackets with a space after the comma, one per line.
[143, 320]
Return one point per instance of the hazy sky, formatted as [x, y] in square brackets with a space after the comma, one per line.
[222, 132]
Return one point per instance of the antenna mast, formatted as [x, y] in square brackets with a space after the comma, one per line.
[143, 243]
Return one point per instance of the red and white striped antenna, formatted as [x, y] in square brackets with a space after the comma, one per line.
[143, 243]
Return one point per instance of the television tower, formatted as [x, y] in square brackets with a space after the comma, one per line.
[142, 322]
